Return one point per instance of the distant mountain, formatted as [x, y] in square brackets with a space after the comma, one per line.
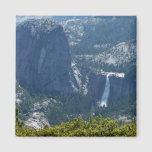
[96, 34]
[56, 18]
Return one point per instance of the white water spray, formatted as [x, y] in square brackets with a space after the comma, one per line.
[104, 99]
[106, 92]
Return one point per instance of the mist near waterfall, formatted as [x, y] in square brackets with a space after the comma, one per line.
[106, 92]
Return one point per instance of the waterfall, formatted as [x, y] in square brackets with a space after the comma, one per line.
[104, 99]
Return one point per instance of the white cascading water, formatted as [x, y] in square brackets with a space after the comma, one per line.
[104, 99]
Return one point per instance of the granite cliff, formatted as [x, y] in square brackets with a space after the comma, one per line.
[43, 61]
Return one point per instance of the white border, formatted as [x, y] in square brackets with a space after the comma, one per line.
[8, 11]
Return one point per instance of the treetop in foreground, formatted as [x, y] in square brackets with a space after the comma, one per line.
[95, 126]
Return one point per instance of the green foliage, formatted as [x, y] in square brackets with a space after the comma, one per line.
[71, 105]
[124, 106]
[17, 111]
[55, 114]
[96, 126]
[19, 123]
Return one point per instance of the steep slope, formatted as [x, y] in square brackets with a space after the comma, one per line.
[43, 61]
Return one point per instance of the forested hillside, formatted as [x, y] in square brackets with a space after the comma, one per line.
[95, 126]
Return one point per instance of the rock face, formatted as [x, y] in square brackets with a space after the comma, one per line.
[37, 120]
[97, 84]
[121, 87]
[43, 61]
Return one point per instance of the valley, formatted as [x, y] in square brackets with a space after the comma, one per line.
[76, 66]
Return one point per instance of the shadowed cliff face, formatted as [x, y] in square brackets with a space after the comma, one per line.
[121, 87]
[43, 60]
[97, 85]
